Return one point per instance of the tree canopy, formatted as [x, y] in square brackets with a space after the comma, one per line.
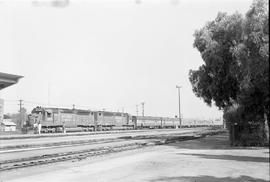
[235, 51]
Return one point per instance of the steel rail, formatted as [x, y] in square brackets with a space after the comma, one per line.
[59, 157]
[137, 142]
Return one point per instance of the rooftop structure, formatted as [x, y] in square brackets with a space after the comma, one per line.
[7, 80]
[7, 125]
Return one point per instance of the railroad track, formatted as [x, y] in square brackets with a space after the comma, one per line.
[58, 144]
[82, 154]
[34, 142]
[130, 144]
[83, 142]
[65, 156]
[53, 135]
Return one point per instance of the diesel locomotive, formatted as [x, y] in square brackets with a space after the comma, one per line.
[57, 119]
[62, 119]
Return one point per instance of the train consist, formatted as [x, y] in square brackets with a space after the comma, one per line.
[60, 119]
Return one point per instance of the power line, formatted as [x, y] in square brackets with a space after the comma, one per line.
[48, 93]
[7, 100]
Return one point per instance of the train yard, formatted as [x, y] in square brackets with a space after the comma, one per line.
[41, 150]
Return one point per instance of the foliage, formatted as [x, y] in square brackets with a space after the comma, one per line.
[18, 118]
[217, 80]
[235, 51]
[235, 73]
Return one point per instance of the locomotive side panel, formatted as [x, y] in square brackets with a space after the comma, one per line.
[100, 120]
[134, 121]
[170, 122]
[121, 120]
[130, 122]
[108, 119]
[149, 122]
[84, 118]
[112, 118]
[91, 119]
[68, 120]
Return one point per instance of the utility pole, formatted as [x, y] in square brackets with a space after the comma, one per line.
[143, 108]
[21, 120]
[73, 106]
[48, 94]
[123, 109]
[137, 110]
[180, 120]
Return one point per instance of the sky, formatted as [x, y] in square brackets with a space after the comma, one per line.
[110, 55]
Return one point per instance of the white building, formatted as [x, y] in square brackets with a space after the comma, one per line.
[7, 125]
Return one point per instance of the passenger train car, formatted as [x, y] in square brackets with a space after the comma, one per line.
[60, 119]
[166, 122]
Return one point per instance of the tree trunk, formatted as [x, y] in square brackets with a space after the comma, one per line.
[266, 128]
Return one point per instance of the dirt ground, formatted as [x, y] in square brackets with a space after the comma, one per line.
[207, 159]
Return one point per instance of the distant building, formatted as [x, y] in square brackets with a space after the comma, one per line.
[7, 125]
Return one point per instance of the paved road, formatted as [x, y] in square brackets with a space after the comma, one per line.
[209, 159]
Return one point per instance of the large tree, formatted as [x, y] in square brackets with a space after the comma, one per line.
[235, 51]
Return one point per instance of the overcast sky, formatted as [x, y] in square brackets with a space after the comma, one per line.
[107, 54]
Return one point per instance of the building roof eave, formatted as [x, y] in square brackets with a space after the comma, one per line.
[7, 80]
